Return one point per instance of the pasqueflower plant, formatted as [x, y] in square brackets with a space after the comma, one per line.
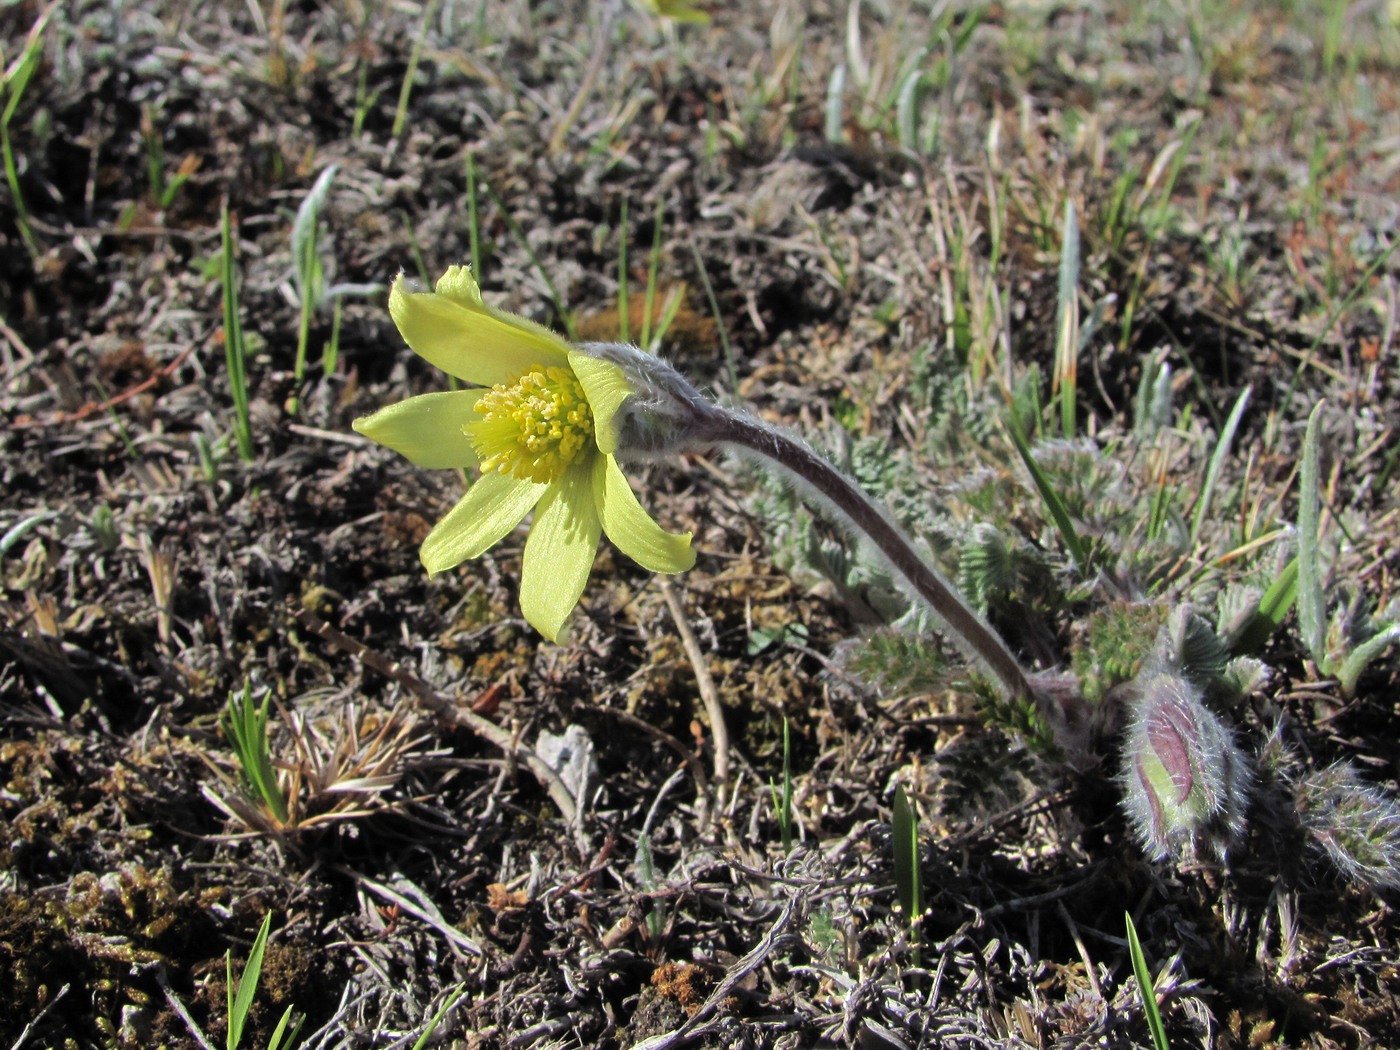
[544, 422]
[539, 422]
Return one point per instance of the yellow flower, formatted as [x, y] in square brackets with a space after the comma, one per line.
[540, 423]
[676, 10]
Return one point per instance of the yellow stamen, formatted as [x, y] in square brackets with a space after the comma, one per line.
[532, 427]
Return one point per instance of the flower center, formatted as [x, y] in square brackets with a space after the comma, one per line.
[532, 427]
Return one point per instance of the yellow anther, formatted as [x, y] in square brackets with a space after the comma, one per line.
[532, 427]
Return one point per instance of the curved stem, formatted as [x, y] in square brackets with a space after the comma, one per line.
[839, 494]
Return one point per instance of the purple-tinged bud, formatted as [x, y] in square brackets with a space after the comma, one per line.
[1185, 781]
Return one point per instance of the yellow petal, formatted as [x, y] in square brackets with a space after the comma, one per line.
[458, 283]
[560, 551]
[631, 528]
[455, 330]
[492, 507]
[427, 429]
[676, 10]
[607, 388]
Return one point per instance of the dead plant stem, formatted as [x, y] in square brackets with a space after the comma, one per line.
[709, 695]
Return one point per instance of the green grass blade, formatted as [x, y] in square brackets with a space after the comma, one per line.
[1273, 607]
[906, 109]
[1067, 322]
[235, 349]
[730, 367]
[1160, 511]
[1055, 506]
[519, 234]
[908, 874]
[450, 1002]
[275, 1041]
[1311, 611]
[14, 87]
[782, 799]
[17, 531]
[309, 273]
[245, 725]
[1145, 987]
[473, 216]
[653, 274]
[414, 57]
[241, 1002]
[304, 231]
[908, 879]
[624, 318]
[1217, 460]
[834, 125]
[330, 353]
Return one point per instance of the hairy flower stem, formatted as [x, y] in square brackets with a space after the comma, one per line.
[747, 436]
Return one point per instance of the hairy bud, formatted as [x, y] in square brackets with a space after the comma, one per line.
[1185, 781]
[663, 412]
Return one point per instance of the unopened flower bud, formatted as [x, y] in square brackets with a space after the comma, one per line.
[1185, 781]
[662, 412]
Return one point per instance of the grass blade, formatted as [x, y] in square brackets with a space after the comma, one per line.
[624, 319]
[653, 270]
[834, 126]
[1217, 460]
[16, 532]
[275, 1041]
[1311, 612]
[245, 725]
[1145, 987]
[908, 876]
[1053, 504]
[1067, 322]
[414, 57]
[450, 1002]
[782, 800]
[1273, 607]
[309, 274]
[241, 1002]
[235, 349]
[15, 82]
[730, 368]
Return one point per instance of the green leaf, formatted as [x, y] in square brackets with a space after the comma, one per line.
[1361, 657]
